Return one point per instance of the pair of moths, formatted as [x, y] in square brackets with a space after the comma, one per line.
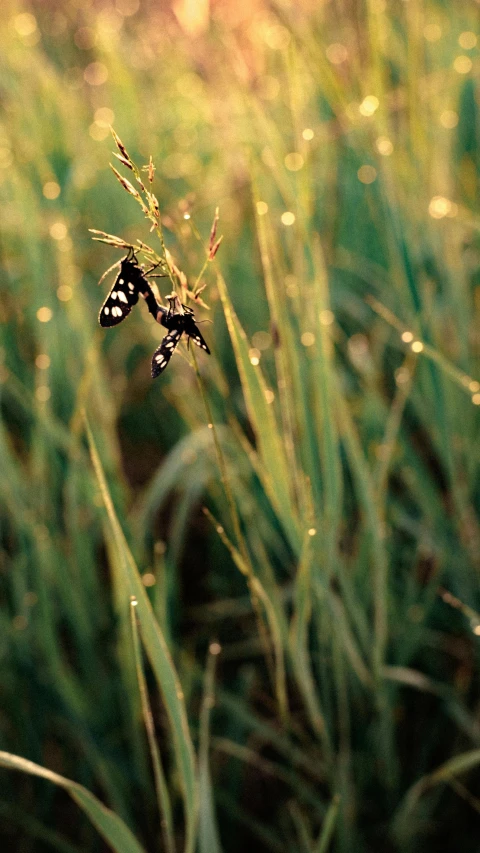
[178, 319]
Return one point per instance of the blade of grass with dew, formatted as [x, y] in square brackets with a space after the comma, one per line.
[298, 642]
[286, 365]
[262, 418]
[163, 796]
[273, 618]
[109, 825]
[368, 501]
[159, 657]
[327, 428]
[131, 708]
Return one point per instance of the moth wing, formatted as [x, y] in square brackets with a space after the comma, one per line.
[197, 338]
[122, 297]
[163, 354]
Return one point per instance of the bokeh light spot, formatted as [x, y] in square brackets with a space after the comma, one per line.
[467, 40]
[294, 161]
[449, 119]
[402, 375]
[369, 105]
[43, 393]
[42, 361]
[439, 207]
[277, 37]
[44, 314]
[51, 190]
[288, 218]
[96, 74]
[98, 132]
[337, 53]
[462, 64]
[262, 340]
[64, 293]
[326, 317]
[308, 339]
[85, 38]
[367, 174]
[262, 208]
[25, 24]
[432, 32]
[104, 117]
[58, 231]
[384, 146]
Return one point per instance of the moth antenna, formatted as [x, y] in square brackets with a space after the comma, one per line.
[147, 272]
[103, 277]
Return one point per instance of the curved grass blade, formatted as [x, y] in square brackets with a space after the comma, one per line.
[262, 418]
[403, 824]
[273, 618]
[163, 796]
[111, 827]
[159, 656]
[328, 827]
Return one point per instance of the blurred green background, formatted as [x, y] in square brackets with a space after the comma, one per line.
[310, 653]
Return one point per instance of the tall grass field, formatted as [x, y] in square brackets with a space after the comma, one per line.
[240, 602]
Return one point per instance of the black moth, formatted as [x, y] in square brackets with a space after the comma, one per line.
[178, 323]
[130, 283]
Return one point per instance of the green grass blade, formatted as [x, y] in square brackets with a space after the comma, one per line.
[273, 618]
[404, 825]
[208, 837]
[163, 796]
[328, 827]
[262, 418]
[109, 825]
[160, 659]
[302, 600]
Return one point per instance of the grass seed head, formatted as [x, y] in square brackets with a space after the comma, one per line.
[195, 297]
[214, 249]
[121, 148]
[151, 170]
[123, 160]
[212, 245]
[110, 239]
[125, 184]
[213, 230]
